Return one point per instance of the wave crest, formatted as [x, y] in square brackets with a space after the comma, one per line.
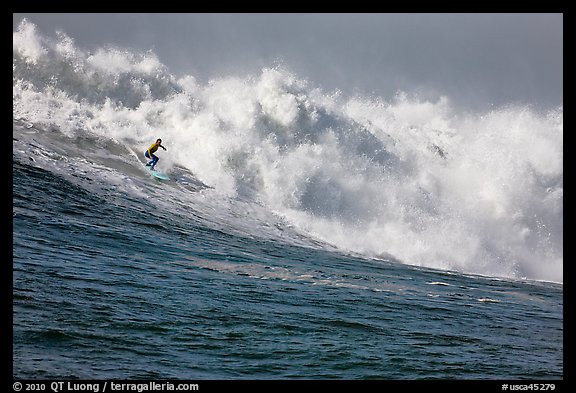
[474, 192]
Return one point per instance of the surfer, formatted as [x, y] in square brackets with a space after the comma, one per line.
[150, 152]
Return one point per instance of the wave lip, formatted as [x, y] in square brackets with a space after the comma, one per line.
[479, 193]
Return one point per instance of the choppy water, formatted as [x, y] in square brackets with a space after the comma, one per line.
[303, 235]
[99, 293]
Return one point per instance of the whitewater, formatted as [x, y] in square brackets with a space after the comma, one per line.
[280, 194]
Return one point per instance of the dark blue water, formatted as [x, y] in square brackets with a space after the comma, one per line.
[302, 235]
[112, 285]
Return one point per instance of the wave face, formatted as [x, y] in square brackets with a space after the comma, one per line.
[405, 179]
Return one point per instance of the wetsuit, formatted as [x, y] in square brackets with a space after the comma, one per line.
[150, 154]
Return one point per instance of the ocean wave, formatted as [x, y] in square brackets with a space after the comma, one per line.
[479, 193]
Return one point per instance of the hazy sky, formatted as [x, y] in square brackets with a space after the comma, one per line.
[477, 60]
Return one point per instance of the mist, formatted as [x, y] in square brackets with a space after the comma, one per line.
[477, 61]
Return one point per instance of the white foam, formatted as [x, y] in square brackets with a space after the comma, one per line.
[479, 193]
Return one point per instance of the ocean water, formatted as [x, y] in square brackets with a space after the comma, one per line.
[303, 234]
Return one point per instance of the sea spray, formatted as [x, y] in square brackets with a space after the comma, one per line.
[407, 179]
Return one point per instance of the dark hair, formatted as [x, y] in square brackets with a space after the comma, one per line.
[159, 140]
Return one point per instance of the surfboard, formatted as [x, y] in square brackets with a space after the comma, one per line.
[158, 174]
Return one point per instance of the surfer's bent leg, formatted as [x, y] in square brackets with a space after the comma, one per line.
[154, 160]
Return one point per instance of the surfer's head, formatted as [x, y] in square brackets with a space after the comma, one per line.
[158, 141]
